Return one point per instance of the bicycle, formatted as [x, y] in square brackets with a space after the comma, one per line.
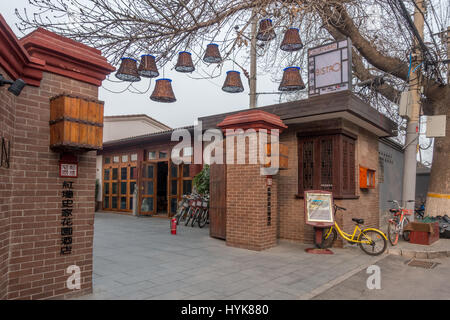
[371, 241]
[398, 222]
[204, 217]
[183, 209]
[195, 206]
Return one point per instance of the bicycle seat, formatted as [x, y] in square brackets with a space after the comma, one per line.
[393, 210]
[358, 221]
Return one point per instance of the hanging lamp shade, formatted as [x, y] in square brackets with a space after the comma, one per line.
[128, 70]
[265, 32]
[233, 83]
[291, 40]
[212, 54]
[184, 63]
[147, 67]
[163, 91]
[292, 80]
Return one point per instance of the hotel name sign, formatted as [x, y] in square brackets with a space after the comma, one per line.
[5, 152]
[329, 68]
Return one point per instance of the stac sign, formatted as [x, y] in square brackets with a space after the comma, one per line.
[329, 68]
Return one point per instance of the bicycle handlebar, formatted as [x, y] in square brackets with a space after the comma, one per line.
[339, 208]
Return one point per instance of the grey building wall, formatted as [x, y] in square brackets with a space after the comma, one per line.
[390, 176]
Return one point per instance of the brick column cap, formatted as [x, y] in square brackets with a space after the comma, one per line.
[252, 119]
[67, 57]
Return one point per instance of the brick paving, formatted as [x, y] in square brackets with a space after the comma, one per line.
[137, 258]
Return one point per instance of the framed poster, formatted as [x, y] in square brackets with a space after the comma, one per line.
[319, 208]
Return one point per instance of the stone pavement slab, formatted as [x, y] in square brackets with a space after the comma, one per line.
[138, 258]
[438, 249]
[398, 281]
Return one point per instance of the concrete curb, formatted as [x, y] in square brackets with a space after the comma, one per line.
[319, 290]
[408, 253]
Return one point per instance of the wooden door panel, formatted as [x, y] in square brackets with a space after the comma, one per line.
[217, 202]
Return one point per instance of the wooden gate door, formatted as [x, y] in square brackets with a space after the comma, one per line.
[218, 201]
[148, 188]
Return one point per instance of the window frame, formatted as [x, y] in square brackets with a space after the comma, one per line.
[340, 139]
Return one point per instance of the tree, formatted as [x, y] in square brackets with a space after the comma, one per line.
[382, 42]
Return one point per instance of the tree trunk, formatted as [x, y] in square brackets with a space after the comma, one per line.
[438, 197]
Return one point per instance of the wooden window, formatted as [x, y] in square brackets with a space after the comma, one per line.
[116, 159]
[327, 162]
[151, 155]
[133, 157]
[107, 160]
[125, 158]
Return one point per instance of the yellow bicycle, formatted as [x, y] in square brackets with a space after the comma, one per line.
[372, 241]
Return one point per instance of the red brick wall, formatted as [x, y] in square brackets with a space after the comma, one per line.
[291, 209]
[247, 207]
[6, 131]
[35, 268]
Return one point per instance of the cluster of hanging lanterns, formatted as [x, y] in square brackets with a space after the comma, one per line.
[291, 81]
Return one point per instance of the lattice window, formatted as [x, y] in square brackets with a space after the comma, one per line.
[308, 165]
[326, 164]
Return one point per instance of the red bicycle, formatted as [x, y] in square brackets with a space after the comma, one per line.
[398, 222]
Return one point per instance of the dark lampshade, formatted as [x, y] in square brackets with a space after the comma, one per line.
[212, 54]
[128, 70]
[233, 83]
[292, 80]
[147, 68]
[291, 40]
[265, 32]
[184, 63]
[163, 91]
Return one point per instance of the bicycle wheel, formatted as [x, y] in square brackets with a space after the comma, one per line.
[182, 215]
[372, 242]
[203, 219]
[406, 233]
[328, 238]
[189, 217]
[392, 232]
[196, 216]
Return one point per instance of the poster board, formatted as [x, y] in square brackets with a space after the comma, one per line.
[319, 208]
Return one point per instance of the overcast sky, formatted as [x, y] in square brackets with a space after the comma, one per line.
[195, 98]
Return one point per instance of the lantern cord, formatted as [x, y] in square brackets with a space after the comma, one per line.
[117, 91]
[141, 92]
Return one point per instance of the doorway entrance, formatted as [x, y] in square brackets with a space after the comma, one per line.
[162, 170]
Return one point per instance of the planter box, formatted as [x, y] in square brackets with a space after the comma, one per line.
[76, 124]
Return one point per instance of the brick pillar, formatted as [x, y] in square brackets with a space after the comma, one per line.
[251, 204]
[31, 263]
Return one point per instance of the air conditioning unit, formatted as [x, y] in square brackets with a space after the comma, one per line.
[405, 106]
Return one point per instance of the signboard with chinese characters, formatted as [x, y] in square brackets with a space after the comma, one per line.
[319, 208]
[329, 68]
[68, 166]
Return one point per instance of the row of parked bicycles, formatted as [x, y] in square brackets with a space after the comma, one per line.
[193, 209]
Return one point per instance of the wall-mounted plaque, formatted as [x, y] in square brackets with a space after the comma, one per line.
[319, 208]
[329, 68]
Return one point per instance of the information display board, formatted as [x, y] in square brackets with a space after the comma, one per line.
[319, 208]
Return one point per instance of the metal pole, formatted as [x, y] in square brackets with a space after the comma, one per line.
[412, 130]
[252, 80]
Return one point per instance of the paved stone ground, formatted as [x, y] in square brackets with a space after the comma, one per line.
[398, 281]
[138, 258]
